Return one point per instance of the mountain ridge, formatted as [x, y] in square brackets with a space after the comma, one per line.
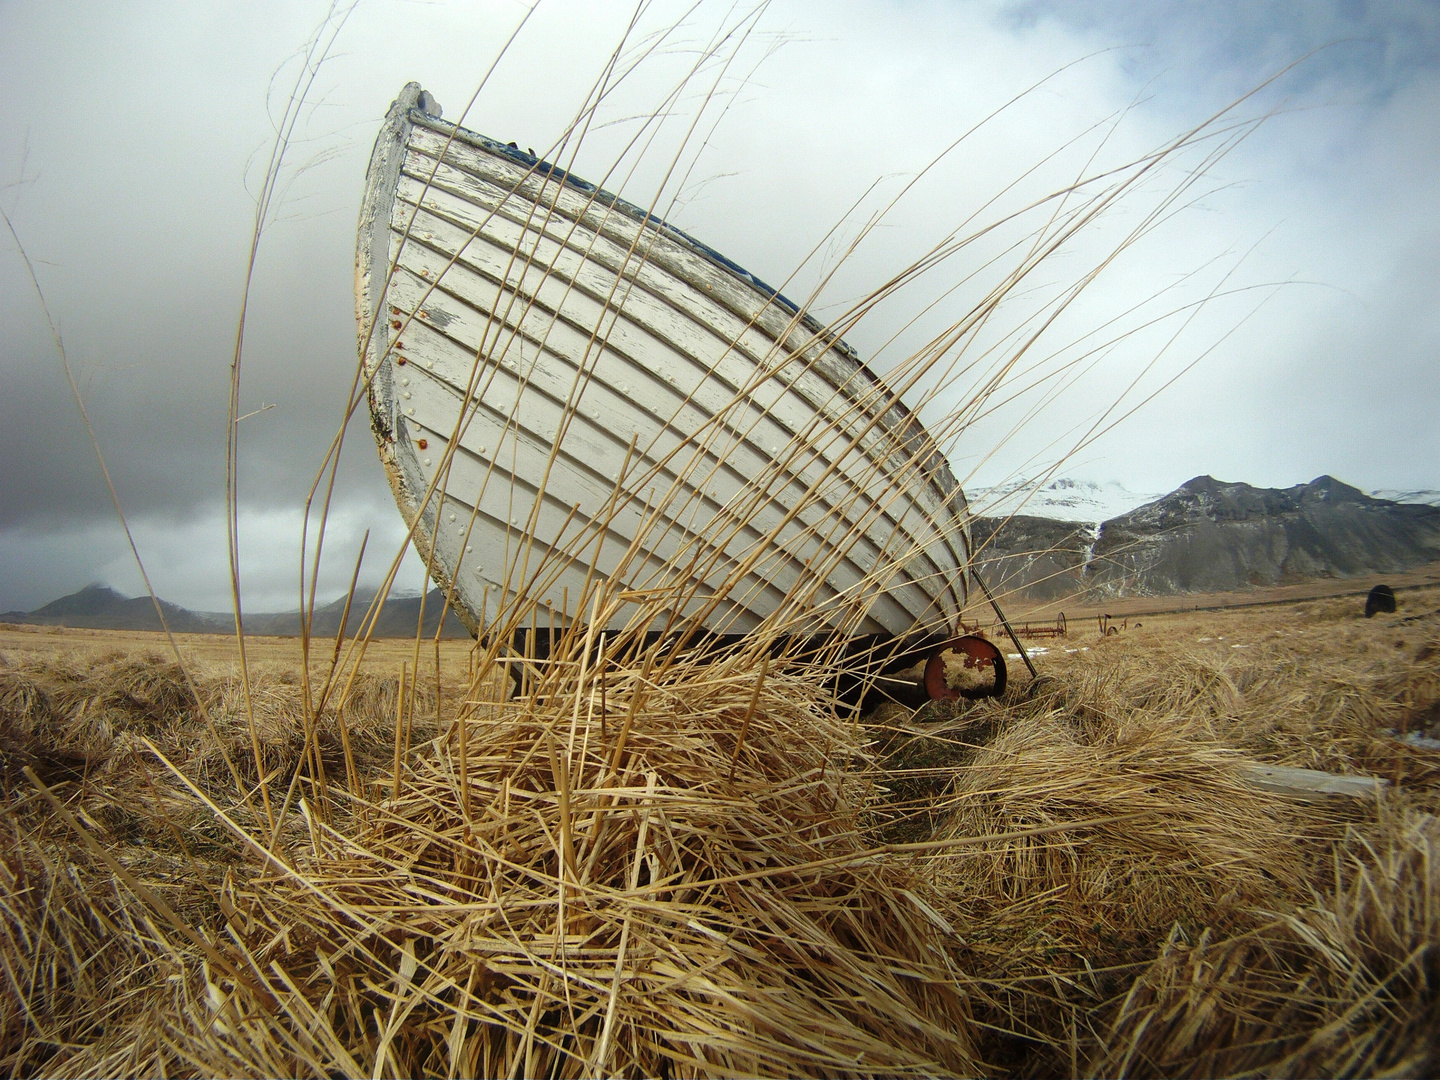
[99, 607]
[1210, 536]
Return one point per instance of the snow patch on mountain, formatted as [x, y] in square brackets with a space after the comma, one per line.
[1422, 497]
[1063, 499]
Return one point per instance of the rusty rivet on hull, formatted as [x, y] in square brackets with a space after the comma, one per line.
[400, 360]
[422, 444]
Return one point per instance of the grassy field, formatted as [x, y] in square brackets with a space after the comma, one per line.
[609, 877]
[1420, 581]
[217, 653]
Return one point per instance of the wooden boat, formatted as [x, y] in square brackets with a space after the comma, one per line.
[565, 389]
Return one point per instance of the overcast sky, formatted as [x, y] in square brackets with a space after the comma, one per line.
[133, 137]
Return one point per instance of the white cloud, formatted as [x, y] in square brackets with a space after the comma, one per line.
[187, 560]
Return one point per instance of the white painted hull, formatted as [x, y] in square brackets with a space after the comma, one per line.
[564, 390]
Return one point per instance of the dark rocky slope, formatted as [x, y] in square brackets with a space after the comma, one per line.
[1035, 558]
[1209, 536]
[399, 618]
[99, 607]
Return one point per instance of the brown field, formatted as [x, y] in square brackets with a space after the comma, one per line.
[1420, 580]
[218, 652]
[1073, 879]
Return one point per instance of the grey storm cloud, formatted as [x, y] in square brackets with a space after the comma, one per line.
[133, 138]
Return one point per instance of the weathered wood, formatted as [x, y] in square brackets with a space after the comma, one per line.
[1311, 782]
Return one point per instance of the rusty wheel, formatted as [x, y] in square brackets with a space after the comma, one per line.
[976, 656]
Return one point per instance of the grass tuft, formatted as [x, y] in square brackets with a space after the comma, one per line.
[1073, 879]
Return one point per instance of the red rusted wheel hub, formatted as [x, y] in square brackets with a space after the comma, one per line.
[974, 652]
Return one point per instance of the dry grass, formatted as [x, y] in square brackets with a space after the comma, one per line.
[1094, 890]
[215, 653]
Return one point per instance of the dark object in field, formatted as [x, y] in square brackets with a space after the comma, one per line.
[1381, 598]
[1058, 630]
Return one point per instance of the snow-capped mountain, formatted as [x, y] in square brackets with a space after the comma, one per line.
[1060, 500]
